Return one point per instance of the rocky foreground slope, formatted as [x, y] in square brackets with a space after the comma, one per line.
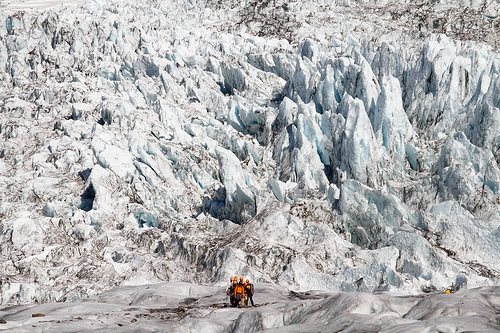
[182, 140]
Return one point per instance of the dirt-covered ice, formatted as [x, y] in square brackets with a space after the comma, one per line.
[184, 307]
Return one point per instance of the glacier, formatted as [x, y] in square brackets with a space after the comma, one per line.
[306, 146]
[186, 307]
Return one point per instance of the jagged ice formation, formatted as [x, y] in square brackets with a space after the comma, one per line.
[142, 143]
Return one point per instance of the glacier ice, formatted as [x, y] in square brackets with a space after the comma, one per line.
[187, 307]
[150, 142]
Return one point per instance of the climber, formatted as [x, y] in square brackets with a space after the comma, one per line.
[233, 287]
[230, 291]
[249, 292]
[451, 290]
[239, 293]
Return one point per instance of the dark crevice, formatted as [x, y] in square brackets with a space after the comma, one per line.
[87, 198]
[225, 88]
[85, 174]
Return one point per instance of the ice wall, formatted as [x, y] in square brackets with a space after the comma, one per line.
[142, 143]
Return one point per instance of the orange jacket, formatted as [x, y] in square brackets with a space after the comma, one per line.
[239, 289]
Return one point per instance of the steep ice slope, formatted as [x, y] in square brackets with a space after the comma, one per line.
[183, 307]
[149, 142]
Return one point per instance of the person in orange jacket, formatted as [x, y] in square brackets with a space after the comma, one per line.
[239, 293]
[249, 292]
